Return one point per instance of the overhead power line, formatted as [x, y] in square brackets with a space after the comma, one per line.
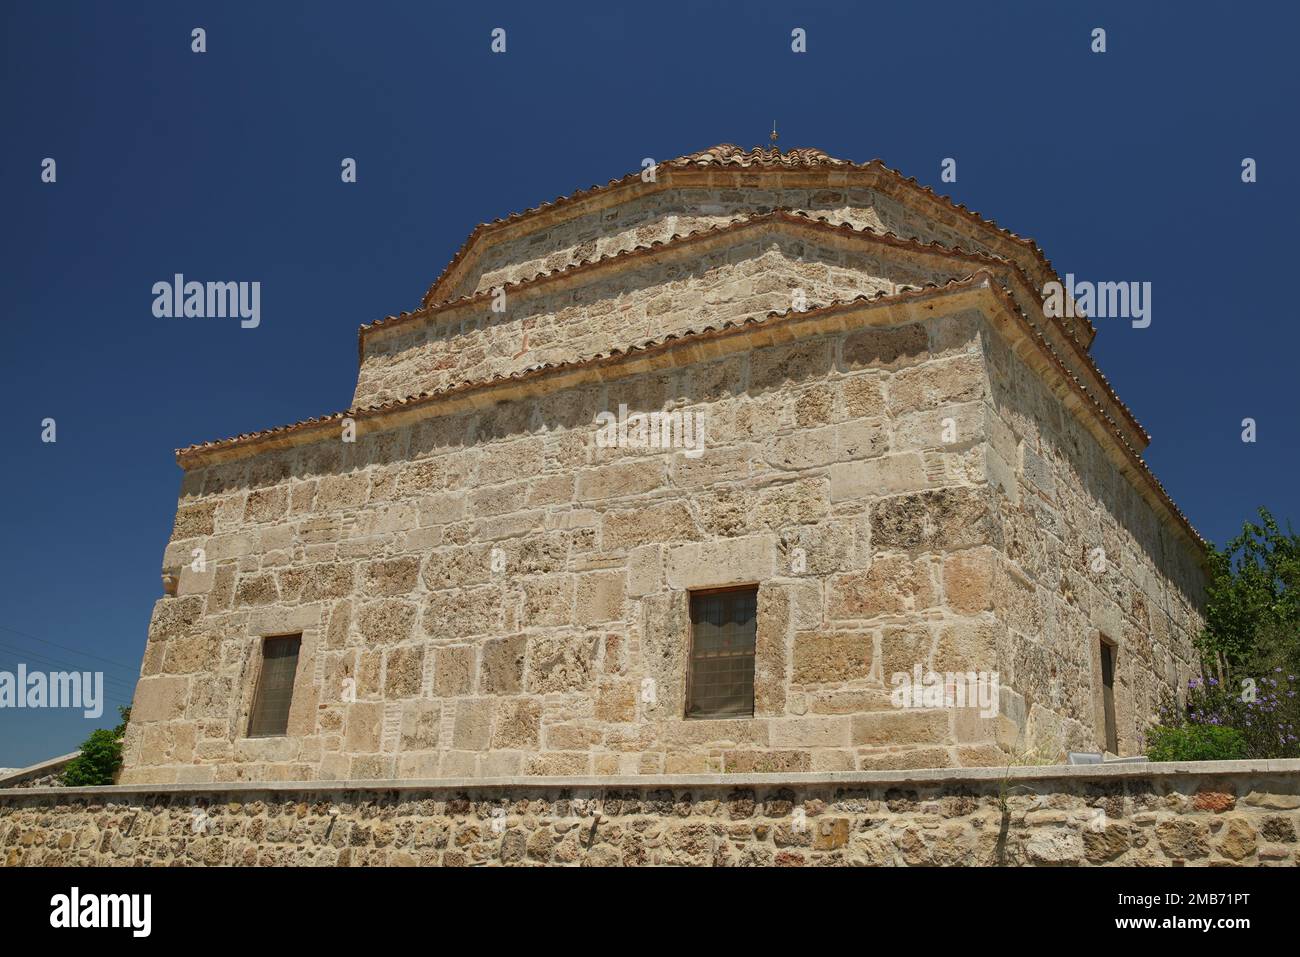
[113, 682]
[133, 670]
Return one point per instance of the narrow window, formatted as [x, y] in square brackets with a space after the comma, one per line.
[1108, 694]
[274, 687]
[720, 682]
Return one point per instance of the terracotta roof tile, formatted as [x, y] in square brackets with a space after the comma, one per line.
[729, 154]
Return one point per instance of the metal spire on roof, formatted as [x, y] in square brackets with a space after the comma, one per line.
[773, 136]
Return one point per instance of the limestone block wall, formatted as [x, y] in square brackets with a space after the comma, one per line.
[1080, 556]
[1209, 814]
[496, 587]
[727, 279]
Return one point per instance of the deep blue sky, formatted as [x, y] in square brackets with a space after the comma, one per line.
[225, 166]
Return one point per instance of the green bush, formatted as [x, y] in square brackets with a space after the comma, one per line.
[100, 757]
[1250, 645]
[1252, 607]
[1195, 742]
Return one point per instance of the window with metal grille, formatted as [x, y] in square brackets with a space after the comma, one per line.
[274, 693]
[1108, 695]
[720, 683]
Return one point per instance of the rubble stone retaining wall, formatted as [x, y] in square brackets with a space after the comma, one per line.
[1208, 813]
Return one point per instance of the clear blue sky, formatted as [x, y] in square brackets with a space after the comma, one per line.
[225, 165]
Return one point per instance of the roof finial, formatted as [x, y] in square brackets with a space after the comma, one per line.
[773, 136]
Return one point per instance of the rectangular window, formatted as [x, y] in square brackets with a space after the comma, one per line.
[274, 693]
[720, 682]
[1108, 694]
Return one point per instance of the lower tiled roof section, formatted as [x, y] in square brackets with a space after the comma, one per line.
[422, 398]
[975, 259]
[979, 280]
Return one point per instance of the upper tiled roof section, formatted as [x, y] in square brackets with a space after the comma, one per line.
[713, 187]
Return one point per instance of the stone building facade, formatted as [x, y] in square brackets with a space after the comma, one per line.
[913, 466]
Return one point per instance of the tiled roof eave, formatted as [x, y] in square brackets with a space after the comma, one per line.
[1133, 455]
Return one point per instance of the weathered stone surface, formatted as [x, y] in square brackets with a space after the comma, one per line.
[891, 585]
[386, 621]
[968, 580]
[1107, 843]
[904, 648]
[1278, 802]
[1206, 800]
[1183, 838]
[463, 613]
[403, 672]
[1050, 846]
[421, 725]
[831, 834]
[1238, 840]
[824, 657]
[472, 726]
[885, 348]
[771, 640]
[1277, 827]
[906, 482]
[454, 671]
[501, 670]
[941, 518]
[562, 662]
[160, 698]
[395, 576]
[900, 727]
[670, 522]
[598, 596]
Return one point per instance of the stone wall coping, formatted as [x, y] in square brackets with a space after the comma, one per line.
[927, 776]
[48, 766]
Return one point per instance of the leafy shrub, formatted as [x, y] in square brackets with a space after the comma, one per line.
[1264, 712]
[1252, 608]
[1250, 646]
[1195, 742]
[100, 757]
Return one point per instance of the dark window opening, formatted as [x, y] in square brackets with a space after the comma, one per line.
[270, 717]
[1108, 694]
[720, 682]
